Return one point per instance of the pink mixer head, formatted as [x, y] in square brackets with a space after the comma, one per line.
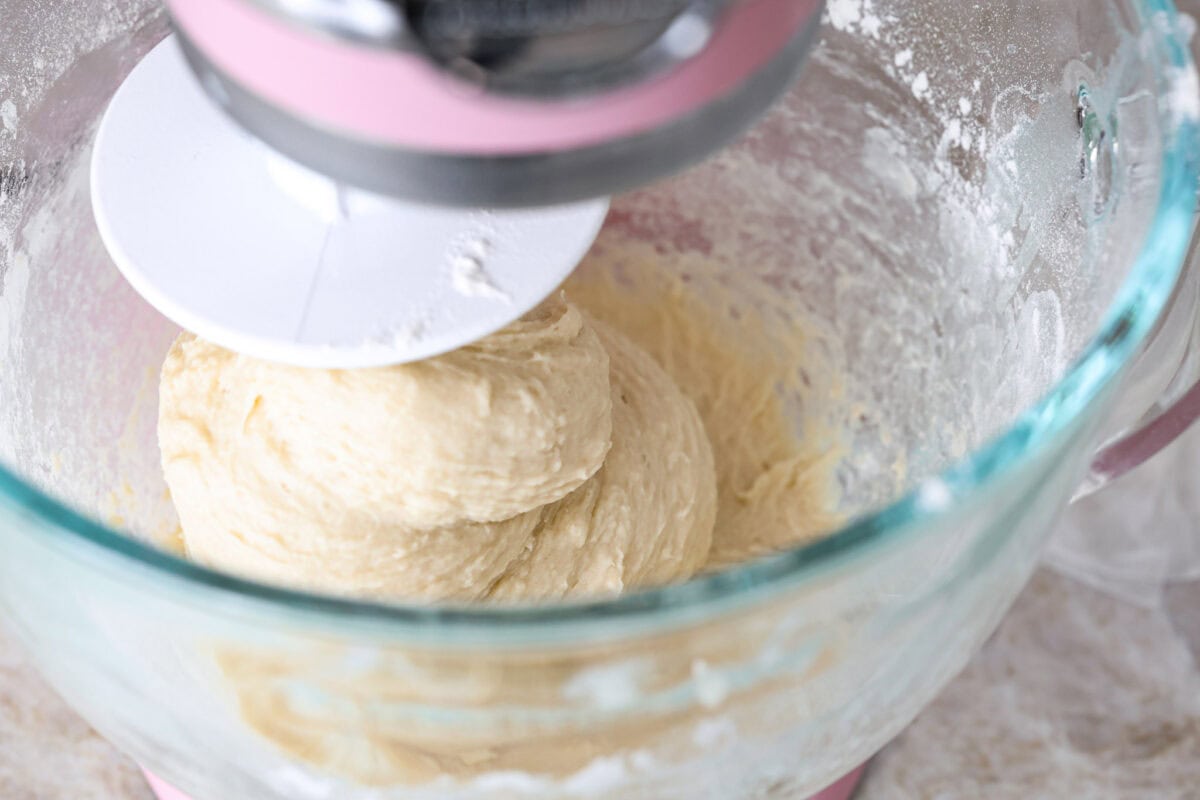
[473, 102]
[432, 169]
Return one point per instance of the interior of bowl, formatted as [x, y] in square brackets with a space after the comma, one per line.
[954, 205]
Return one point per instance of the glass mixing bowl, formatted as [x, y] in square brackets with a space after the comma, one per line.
[978, 211]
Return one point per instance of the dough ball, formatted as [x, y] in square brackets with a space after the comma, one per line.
[550, 459]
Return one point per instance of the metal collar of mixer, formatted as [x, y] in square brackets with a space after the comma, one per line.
[503, 180]
[404, 121]
[540, 48]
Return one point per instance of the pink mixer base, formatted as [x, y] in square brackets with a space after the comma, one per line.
[841, 790]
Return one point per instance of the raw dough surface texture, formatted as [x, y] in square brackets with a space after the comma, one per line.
[554, 458]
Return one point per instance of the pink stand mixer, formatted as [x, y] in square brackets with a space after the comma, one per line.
[480, 135]
[977, 217]
[389, 137]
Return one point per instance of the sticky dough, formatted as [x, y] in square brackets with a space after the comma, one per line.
[571, 454]
[553, 459]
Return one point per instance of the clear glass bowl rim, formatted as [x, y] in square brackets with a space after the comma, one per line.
[1139, 302]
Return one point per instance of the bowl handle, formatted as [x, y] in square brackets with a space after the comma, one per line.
[1160, 398]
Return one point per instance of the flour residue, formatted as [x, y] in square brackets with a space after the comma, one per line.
[469, 274]
[470, 277]
[8, 116]
[854, 16]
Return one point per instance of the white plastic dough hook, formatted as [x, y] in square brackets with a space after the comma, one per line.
[260, 255]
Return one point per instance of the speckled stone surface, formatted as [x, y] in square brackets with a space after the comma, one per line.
[1078, 695]
[1091, 686]
[46, 751]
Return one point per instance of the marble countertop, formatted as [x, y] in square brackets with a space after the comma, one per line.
[49, 753]
[1078, 695]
